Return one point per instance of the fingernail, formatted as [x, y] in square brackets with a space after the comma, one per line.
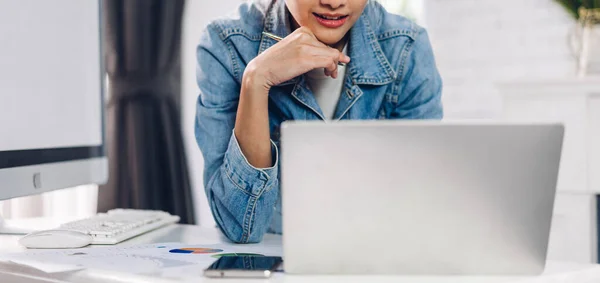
[347, 58]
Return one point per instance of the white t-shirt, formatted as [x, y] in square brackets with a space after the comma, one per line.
[327, 90]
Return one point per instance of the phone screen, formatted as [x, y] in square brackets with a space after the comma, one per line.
[243, 266]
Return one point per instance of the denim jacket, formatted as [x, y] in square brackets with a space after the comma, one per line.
[392, 75]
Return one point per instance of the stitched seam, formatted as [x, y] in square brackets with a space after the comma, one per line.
[227, 33]
[404, 55]
[218, 30]
[401, 74]
[228, 173]
[395, 93]
[395, 85]
[212, 180]
[269, 23]
[378, 51]
[261, 45]
[251, 220]
[246, 224]
[234, 64]
[247, 215]
[295, 91]
[249, 37]
[350, 106]
[396, 33]
[270, 187]
[374, 82]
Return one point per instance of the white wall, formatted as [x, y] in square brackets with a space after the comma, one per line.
[477, 44]
[480, 42]
[198, 14]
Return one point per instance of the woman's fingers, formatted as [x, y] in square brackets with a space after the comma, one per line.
[324, 57]
[323, 62]
[295, 55]
[333, 74]
[338, 56]
[334, 66]
[344, 58]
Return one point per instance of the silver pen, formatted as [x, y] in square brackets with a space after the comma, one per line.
[278, 39]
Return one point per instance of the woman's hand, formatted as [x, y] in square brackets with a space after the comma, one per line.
[297, 54]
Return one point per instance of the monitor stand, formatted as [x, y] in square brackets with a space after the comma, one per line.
[26, 225]
[7, 229]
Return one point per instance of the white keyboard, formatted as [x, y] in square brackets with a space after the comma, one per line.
[118, 225]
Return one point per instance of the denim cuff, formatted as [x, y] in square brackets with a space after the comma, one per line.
[246, 177]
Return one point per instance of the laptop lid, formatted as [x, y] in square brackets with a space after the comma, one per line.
[418, 197]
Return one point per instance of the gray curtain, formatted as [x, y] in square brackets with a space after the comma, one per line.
[148, 169]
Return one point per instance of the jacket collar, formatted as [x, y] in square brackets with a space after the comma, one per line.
[369, 65]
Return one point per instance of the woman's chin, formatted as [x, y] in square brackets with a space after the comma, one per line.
[331, 40]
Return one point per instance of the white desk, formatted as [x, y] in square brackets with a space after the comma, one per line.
[556, 272]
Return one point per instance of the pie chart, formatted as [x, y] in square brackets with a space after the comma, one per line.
[195, 251]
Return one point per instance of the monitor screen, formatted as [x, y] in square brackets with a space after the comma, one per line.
[50, 82]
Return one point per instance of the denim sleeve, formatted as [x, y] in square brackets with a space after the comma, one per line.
[241, 197]
[421, 84]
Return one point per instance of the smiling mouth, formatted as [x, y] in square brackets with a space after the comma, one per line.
[331, 18]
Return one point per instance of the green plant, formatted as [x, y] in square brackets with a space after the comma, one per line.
[573, 6]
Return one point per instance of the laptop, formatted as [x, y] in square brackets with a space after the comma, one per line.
[418, 198]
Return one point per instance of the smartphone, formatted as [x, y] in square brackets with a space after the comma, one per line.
[243, 267]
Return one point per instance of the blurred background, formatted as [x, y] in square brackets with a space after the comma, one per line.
[526, 60]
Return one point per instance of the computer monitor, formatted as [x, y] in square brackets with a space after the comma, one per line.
[51, 96]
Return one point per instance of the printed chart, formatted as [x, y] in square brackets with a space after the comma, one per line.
[195, 251]
[165, 259]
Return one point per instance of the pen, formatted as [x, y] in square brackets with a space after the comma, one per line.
[278, 39]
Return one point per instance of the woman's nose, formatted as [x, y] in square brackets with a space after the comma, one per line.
[334, 4]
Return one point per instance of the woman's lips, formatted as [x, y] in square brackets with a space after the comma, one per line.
[331, 20]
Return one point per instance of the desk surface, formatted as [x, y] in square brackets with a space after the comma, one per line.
[555, 271]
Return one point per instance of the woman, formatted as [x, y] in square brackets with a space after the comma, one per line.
[250, 83]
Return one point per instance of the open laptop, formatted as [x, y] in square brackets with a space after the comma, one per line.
[429, 198]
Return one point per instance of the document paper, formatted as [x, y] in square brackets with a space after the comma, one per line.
[165, 260]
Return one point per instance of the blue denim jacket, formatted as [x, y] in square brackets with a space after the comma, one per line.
[392, 75]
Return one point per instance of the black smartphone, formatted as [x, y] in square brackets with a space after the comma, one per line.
[243, 267]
